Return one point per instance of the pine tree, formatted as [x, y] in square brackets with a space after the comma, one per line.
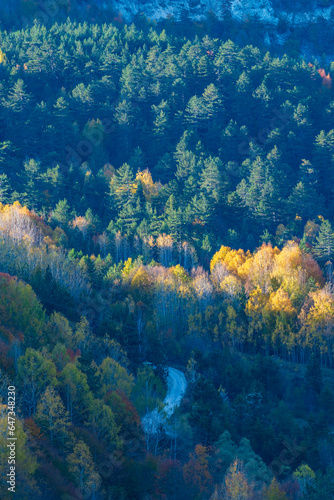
[161, 118]
[175, 219]
[304, 201]
[212, 102]
[155, 221]
[200, 210]
[61, 214]
[5, 189]
[61, 113]
[123, 187]
[32, 177]
[323, 159]
[129, 217]
[262, 193]
[195, 113]
[211, 179]
[18, 98]
[204, 70]
[186, 166]
[324, 247]
[138, 160]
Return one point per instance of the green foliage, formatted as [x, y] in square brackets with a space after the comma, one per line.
[35, 373]
[184, 107]
[114, 377]
[148, 391]
[25, 460]
[324, 248]
[139, 151]
[21, 311]
[51, 415]
[76, 392]
[83, 469]
[274, 492]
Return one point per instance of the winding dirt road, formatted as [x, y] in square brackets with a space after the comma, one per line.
[177, 384]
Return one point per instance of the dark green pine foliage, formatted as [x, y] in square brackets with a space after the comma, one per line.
[61, 116]
[61, 215]
[18, 98]
[129, 217]
[53, 295]
[200, 214]
[5, 189]
[234, 143]
[211, 179]
[53, 181]
[262, 193]
[155, 221]
[243, 86]
[32, 177]
[324, 247]
[188, 168]
[171, 104]
[176, 221]
[304, 200]
[196, 113]
[323, 160]
[123, 188]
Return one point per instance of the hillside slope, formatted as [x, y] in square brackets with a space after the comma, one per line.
[268, 11]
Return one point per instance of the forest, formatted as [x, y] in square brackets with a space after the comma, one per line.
[166, 200]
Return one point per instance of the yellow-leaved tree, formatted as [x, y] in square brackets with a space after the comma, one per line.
[317, 323]
[237, 486]
[25, 461]
[83, 469]
[280, 318]
[255, 311]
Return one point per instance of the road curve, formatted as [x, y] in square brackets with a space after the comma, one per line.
[176, 386]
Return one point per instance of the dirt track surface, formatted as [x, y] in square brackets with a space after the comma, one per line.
[176, 387]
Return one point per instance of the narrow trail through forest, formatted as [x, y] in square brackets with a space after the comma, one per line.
[176, 384]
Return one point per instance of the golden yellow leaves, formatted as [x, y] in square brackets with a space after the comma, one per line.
[261, 267]
[268, 268]
[231, 286]
[3, 58]
[149, 187]
[180, 273]
[279, 302]
[143, 179]
[321, 315]
[141, 280]
[82, 224]
[233, 260]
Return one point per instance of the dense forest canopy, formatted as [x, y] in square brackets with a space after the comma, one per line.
[239, 147]
[166, 199]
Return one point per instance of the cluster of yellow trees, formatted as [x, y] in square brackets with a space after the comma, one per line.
[29, 247]
[273, 301]
[276, 300]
